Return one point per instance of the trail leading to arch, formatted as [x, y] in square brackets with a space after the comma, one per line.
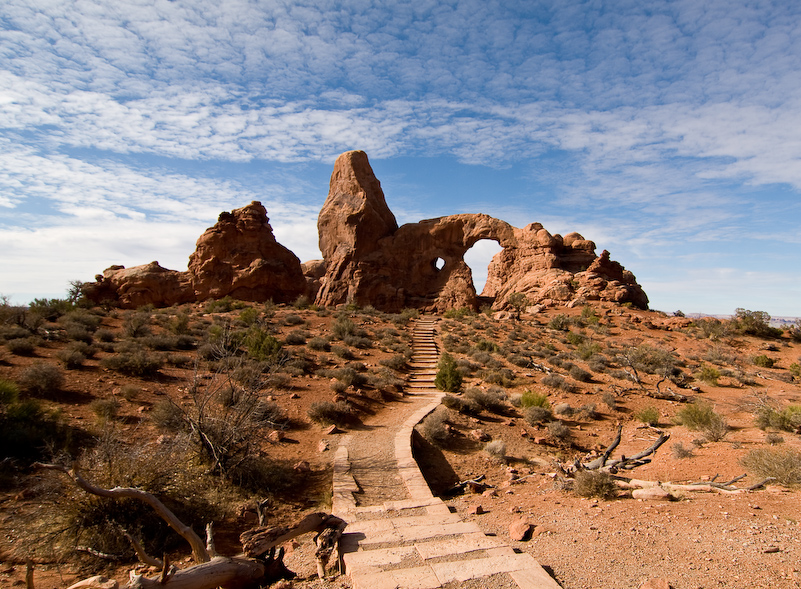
[400, 536]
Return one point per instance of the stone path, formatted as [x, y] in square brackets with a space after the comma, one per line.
[412, 540]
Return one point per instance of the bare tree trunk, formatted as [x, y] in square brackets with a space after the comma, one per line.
[229, 573]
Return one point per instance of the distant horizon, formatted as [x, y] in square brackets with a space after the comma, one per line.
[664, 132]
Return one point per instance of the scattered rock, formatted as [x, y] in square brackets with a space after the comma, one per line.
[322, 446]
[275, 436]
[520, 529]
[480, 435]
[331, 430]
[655, 584]
[301, 467]
[475, 510]
[97, 582]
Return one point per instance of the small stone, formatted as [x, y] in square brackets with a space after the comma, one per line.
[480, 435]
[302, 466]
[655, 584]
[331, 430]
[490, 493]
[322, 446]
[294, 396]
[476, 510]
[771, 550]
[275, 436]
[520, 529]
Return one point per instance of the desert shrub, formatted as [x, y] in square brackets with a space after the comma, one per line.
[649, 415]
[580, 374]
[563, 409]
[223, 305]
[167, 416]
[23, 346]
[533, 399]
[51, 309]
[129, 392]
[105, 335]
[396, 362]
[296, 338]
[134, 361]
[41, 378]
[78, 333]
[574, 338]
[487, 346]
[263, 347]
[271, 414]
[493, 400]
[105, 409]
[709, 374]
[435, 428]
[610, 401]
[302, 302]
[702, 417]
[482, 358]
[593, 483]
[71, 358]
[461, 404]
[496, 449]
[343, 352]
[560, 322]
[783, 464]
[555, 381]
[448, 377]
[343, 327]
[358, 341]
[587, 350]
[788, 419]
[773, 438]
[136, 324]
[679, 451]
[598, 363]
[503, 377]
[559, 432]
[9, 392]
[328, 412]
[350, 377]
[293, 319]
[460, 313]
[587, 411]
[161, 341]
[764, 361]
[756, 323]
[28, 432]
[319, 344]
[536, 415]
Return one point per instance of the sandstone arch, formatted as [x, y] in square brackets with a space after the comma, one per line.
[392, 268]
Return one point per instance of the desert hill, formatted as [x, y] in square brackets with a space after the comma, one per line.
[122, 393]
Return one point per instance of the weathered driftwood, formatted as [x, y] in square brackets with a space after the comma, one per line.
[328, 542]
[624, 462]
[699, 487]
[199, 552]
[263, 567]
[229, 573]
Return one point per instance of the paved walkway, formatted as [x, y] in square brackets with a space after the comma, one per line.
[402, 537]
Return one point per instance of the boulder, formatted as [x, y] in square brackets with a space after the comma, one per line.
[239, 257]
[148, 284]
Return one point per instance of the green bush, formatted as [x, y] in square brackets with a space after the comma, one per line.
[648, 415]
[560, 322]
[263, 347]
[493, 400]
[448, 377]
[788, 419]
[764, 361]
[709, 374]
[702, 417]
[756, 323]
[533, 399]
[105, 409]
[396, 362]
[9, 392]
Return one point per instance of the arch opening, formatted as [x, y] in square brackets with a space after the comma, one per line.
[478, 259]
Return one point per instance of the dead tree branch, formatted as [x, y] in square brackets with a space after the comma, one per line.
[199, 552]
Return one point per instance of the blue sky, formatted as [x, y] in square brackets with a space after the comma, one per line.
[666, 132]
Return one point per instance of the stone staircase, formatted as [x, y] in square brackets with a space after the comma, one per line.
[416, 542]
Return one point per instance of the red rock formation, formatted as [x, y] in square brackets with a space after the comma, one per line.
[149, 284]
[393, 268]
[240, 257]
